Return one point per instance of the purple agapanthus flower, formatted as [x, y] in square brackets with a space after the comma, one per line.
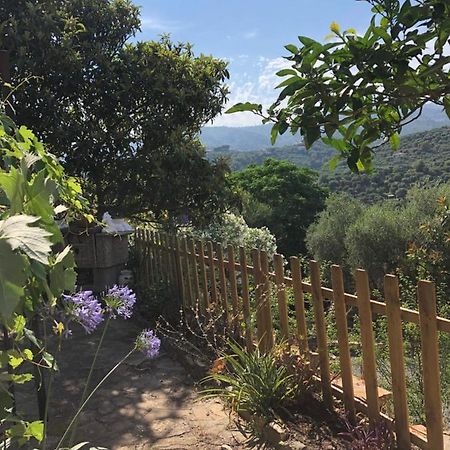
[120, 300]
[148, 343]
[85, 309]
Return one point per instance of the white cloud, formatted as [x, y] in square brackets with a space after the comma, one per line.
[250, 34]
[160, 25]
[259, 88]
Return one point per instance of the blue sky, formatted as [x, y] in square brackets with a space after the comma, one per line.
[250, 34]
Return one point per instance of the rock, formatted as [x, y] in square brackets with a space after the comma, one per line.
[297, 445]
[275, 433]
[225, 447]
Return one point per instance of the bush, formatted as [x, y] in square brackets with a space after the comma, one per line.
[253, 382]
[232, 229]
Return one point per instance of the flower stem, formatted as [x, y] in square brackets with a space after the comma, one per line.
[49, 390]
[88, 379]
[80, 409]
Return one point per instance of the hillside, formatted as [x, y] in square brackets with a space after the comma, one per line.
[422, 158]
[258, 137]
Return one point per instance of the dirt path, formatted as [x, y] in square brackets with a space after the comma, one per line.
[144, 405]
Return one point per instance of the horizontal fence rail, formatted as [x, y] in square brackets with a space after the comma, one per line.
[213, 277]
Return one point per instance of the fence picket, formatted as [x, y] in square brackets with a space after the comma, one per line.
[187, 272]
[179, 271]
[368, 345]
[337, 282]
[302, 330]
[223, 282]
[197, 300]
[266, 303]
[396, 354]
[430, 365]
[204, 279]
[258, 279]
[212, 273]
[322, 340]
[281, 295]
[246, 299]
[233, 288]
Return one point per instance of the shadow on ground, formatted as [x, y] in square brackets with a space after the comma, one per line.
[144, 405]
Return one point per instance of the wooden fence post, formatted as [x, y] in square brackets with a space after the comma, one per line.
[430, 363]
[179, 271]
[257, 275]
[281, 296]
[233, 288]
[154, 276]
[342, 336]
[212, 273]
[368, 345]
[196, 304]
[396, 354]
[223, 282]
[159, 256]
[187, 272]
[302, 330]
[151, 263]
[267, 298]
[322, 341]
[201, 258]
[246, 299]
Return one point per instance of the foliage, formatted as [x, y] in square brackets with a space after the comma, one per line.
[292, 198]
[325, 238]
[422, 159]
[356, 89]
[252, 382]
[363, 437]
[233, 229]
[299, 367]
[33, 190]
[126, 118]
[378, 239]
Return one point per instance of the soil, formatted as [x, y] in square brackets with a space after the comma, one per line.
[148, 404]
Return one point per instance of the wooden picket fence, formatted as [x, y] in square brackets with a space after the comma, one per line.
[207, 274]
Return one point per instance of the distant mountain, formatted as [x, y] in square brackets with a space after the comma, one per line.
[244, 138]
[423, 158]
[258, 137]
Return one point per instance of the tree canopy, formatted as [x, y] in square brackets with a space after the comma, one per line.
[283, 197]
[357, 90]
[117, 112]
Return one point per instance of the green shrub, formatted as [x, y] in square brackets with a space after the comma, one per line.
[253, 382]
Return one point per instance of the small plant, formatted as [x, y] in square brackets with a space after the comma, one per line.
[252, 382]
[299, 367]
[364, 437]
[202, 336]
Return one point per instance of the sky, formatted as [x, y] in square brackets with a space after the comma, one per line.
[250, 35]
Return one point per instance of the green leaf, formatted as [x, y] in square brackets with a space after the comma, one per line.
[311, 136]
[35, 429]
[394, 140]
[334, 161]
[13, 183]
[285, 72]
[62, 274]
[33, 241]
[306, 41]
[12, 280]
[274, 133]
[240, 107]
[291, 48]
[447, 105]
